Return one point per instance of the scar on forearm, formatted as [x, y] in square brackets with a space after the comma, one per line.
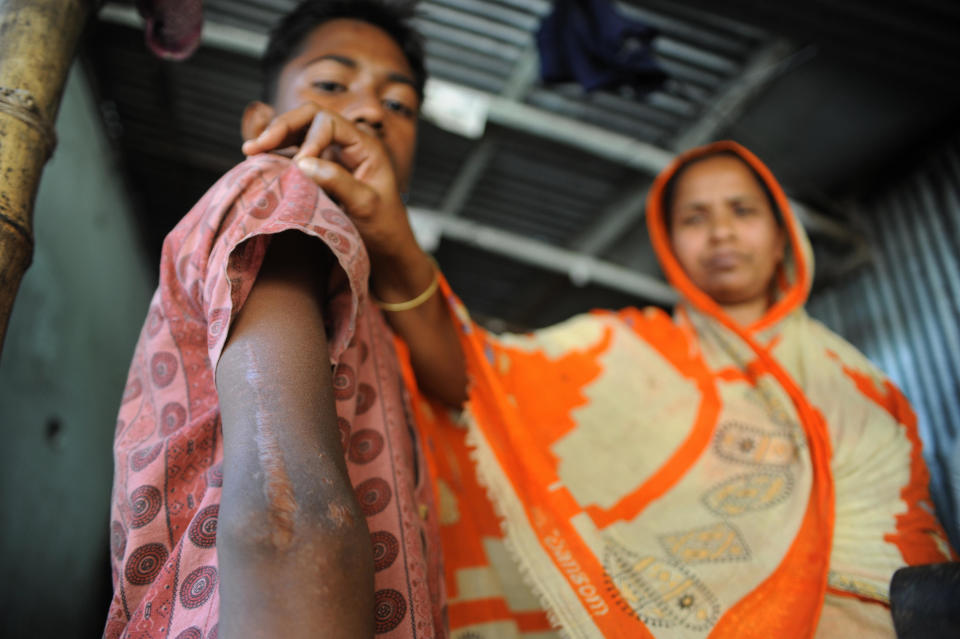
[339, 515]
[277, 488]
[281, 502]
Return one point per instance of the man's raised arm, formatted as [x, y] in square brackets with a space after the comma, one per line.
[363, 181]
[293, 545]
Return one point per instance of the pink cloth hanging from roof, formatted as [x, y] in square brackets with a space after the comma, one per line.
[173, 26]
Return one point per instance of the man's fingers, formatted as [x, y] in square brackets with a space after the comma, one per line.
[332, 131]
[358, 200]
[318, 134]
[285, 130]
[318, 138]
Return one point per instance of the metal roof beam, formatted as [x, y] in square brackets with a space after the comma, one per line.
[517, 86]
[614, 222]
[581, 269]
[762, 69]
[586, 137]
[479, 15]
[683, 30]
[468, 176]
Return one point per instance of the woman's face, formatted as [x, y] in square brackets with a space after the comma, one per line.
[723, 231]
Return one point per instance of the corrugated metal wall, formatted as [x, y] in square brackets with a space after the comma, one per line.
[903, 311]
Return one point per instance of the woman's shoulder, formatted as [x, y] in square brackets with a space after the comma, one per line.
[840, 349]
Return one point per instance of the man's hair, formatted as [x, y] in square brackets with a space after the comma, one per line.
[288, 36]
[669, 189]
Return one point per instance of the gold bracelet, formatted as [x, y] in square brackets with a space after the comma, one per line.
[418, 300]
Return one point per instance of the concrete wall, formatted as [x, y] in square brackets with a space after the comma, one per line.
[71, 336]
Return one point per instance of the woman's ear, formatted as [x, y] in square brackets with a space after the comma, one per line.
[256, 117]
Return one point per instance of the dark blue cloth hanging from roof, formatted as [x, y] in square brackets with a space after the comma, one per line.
[589, 42]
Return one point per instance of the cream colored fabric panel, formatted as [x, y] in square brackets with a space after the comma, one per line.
[502, 630]
[561, 600]
[846, 617]
[492, 630]
[577, 333]
[591, 460]
[871, 464]
[697, 551]
[519, 595]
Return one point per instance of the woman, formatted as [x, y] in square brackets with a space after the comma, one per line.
[732, 470]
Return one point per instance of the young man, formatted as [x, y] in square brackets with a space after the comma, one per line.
[268, 482]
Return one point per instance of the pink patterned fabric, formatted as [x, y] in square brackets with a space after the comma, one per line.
[168, 445]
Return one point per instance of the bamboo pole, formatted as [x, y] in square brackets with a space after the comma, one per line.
[37, 43]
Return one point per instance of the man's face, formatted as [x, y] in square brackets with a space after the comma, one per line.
[723, 231]
[355, 69]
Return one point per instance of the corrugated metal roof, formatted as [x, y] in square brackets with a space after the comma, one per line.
[176, 115]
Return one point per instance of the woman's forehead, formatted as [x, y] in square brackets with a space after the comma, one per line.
[717, 174]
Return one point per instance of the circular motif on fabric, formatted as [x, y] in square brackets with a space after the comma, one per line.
[216, 325]
[172, 417]
[385, 549]
[163, 368]
[118, 539]
[203, 530]
[373, 494]
[198, 586]
[214, 631]
[154, 322]
[344, 382]
[191, 633]
[263, 206]
[132, 391]
[333, 216]
[145, 563]
[366, 396]
[336, 241]
[215, 476]
[182, 267]
[389, 609]
[365, 445]
[196, 300]
[345, 429]
[142, 458]
[145, 503]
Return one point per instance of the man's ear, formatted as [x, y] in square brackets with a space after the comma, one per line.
[255, 119]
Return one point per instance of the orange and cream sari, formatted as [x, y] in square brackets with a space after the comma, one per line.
[636, 474]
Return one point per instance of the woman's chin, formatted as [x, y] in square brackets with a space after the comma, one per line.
[729, 295]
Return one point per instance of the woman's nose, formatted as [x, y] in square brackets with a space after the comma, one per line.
[721, 227]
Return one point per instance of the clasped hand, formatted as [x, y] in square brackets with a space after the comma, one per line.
[350, 162]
